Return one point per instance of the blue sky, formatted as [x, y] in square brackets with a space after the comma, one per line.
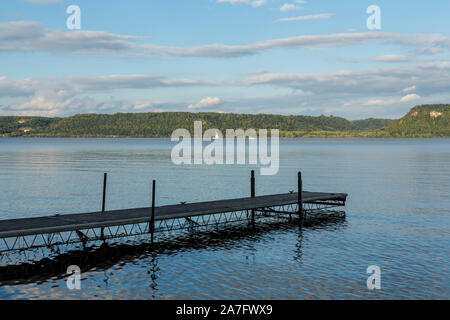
[243, 56]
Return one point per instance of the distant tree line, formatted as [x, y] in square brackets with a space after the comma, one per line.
[429, 120]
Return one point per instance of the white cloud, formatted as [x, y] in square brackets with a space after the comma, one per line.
[288, 7]
[383, 102]
[48, 106]
[427, 44]
[71, 86]
[146, 105]
[23, 36]
[33, 36]
[430, 77]
[205, 103]
[308, 17]
[408, 89]
[298, 42]
[363, 88]
[258, 3]
[391, 58]
[379, 102]
[52, 96]
[344, 93]
[132, 81]
[410, 97]
[15, 88]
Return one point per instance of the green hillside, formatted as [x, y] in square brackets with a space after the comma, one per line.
[424, 121]
[24, 126]
[421, 121]
[163, 124]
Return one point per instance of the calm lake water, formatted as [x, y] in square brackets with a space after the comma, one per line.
[398, 217]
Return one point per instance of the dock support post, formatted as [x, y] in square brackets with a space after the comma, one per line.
[152, 221]
[104, 191]
[105, 175]
[300, 198]
[253, 192]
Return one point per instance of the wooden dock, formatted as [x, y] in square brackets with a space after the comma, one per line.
[29, 232]
[73, 222]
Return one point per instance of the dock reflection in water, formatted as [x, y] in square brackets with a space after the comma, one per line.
[106, 256]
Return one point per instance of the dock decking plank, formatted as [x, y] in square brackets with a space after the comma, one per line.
[72, 222]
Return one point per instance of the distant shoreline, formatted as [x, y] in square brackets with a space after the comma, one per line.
[425, 121]
[284, 138]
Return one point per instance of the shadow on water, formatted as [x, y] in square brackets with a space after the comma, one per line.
[107, 255]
